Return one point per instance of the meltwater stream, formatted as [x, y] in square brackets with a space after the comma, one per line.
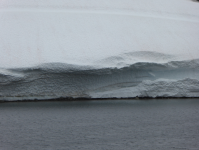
[116, 124]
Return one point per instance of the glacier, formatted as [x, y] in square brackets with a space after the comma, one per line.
[98, 49]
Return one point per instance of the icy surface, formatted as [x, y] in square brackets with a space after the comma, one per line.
[98, 48]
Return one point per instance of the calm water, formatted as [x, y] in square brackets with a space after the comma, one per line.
[119, 124]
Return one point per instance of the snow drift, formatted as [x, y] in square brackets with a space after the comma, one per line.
[98, 49]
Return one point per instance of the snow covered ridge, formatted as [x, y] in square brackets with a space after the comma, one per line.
[175, 78]
[98, 48]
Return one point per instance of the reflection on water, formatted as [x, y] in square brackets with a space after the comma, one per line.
[112, 124]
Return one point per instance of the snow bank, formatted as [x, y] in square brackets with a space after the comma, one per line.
[98, 48]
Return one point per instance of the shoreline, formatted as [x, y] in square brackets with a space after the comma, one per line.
[71, 99]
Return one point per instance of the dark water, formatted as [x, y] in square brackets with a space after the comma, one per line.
[119, 124]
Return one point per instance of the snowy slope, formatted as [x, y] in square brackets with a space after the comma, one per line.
[98, 48]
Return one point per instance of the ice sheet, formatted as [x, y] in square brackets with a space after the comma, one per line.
[95, 35]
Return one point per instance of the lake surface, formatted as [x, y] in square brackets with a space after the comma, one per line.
[106, 124]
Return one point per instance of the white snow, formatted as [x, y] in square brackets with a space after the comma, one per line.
[34, 32]
[157, 88]
[99, 34]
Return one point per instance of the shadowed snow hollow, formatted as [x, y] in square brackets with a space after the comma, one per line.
[98, 48]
